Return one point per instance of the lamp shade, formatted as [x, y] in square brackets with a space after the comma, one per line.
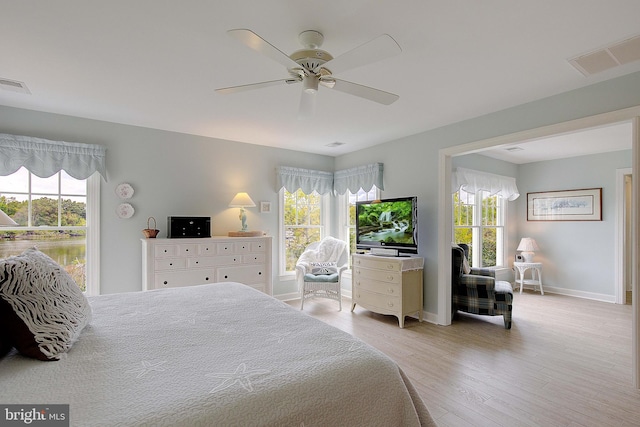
[241, 200]
[6, 220]
[527, 244]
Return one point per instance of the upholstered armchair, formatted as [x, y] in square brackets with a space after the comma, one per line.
[475, 290]
[319, 268]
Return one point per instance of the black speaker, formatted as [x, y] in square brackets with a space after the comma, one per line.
[188, 226]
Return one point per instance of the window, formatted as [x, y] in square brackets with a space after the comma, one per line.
[51, 214]
[479, 221]
[304, 218]
[347, 213]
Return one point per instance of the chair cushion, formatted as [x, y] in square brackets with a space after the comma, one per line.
[321, 277]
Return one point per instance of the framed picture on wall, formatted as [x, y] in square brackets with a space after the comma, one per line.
[567, 205]
[265, 207]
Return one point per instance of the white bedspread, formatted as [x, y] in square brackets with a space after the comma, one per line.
[214, 355]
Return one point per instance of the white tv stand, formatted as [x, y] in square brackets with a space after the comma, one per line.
[388, 285]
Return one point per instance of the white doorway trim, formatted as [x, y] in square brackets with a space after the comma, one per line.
[444, 206]
[620, 251]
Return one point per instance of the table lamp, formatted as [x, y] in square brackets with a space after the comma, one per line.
[6, 220]
[528, 246]
[242, 200]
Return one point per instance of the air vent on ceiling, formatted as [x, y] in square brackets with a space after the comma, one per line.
[14, 85]
[611, 56]
[510, 149]
[335, 144]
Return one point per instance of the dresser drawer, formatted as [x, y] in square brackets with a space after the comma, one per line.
[207, 249]
[165, 251]
[377, 263]
[257, 247]
[183, 278]
[380, 275]
[385, 303]
[248, 274]
[205, 261]
[253, 259]
[188, 249]
[170, 263]
[390, 289]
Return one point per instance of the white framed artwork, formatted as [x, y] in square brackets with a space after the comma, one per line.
[265, 207]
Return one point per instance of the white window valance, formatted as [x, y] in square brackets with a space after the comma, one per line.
[472, 181]
[45, 158]
[307, 180]
[353, 179]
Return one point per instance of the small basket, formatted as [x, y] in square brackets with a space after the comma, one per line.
[150, 233]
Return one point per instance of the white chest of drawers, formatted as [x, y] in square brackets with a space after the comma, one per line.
[168, 263]
[388, 285]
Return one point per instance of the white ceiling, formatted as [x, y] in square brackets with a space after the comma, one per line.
[156, 63]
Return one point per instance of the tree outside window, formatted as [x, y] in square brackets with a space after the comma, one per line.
[302, 224]
[51, 214]
[479, 222]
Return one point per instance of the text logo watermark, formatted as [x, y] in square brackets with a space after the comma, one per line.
[34, 415]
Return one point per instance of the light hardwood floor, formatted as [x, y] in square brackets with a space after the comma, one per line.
[565, 362]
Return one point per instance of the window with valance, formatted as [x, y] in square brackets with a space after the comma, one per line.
[43, 158]
[473, 181]
[50, 189]
[353, 179]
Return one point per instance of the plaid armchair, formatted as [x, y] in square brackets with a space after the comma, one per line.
[477, 291]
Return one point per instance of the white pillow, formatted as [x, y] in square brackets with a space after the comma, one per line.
[322, 268]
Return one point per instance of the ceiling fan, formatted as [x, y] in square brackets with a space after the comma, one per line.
[313, 66]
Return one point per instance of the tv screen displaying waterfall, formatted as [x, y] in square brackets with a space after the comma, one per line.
[388, 223]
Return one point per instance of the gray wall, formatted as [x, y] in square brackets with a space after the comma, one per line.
[172, 174]
[170, 170]
[577, 256]
[411, 164]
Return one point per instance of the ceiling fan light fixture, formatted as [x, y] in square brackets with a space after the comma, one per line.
[310, 84]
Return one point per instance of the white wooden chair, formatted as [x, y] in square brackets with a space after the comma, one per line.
[319, 269]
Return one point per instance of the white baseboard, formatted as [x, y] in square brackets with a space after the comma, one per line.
[575, 293]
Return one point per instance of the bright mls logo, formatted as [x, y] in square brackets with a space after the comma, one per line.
[34, 415]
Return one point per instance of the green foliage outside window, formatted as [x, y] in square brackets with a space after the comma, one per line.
[302, 224]
[464, 206]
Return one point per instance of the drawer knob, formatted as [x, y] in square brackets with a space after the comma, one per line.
[226, 277]
[170, 263]
[259, 273]
[390, 290]
[390, 304]
[197, 262]
[165, 282]
[206, 278]
[390, 266]
[358, 283]
[187, 250]
[389, 277]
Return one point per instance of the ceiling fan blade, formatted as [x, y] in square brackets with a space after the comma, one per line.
[307, 105]
[381, 47]
[257, 43]
[251, 86]
[365, 92]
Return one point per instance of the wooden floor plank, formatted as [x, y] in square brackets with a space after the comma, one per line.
[565, 361]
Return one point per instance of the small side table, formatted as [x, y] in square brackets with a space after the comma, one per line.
[536, 274]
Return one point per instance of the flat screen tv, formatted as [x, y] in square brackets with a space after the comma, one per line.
[388, 223]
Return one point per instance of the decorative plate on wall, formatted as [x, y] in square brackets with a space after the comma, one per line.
[125, 210]
[124, 191]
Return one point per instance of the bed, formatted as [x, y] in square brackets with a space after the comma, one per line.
[213, 355]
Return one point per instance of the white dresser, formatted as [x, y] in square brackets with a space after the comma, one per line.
[388, 285]
[168, 263]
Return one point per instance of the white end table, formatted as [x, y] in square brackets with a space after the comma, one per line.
[536, 274]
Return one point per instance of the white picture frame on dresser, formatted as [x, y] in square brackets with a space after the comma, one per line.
[196, 261]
